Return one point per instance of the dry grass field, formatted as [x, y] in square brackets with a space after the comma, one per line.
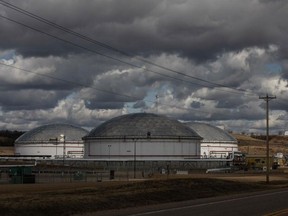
[5, 150]
[82, 198]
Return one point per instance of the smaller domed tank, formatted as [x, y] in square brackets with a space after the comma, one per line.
[216, 142]
[54, 140]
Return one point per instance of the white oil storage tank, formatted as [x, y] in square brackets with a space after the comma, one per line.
[142, 136]
[54, 140]
[216, 142]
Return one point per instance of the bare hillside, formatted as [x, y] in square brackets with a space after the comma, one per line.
[252, 145]
[6, 150]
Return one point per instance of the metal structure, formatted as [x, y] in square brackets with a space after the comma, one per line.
[216, 142]
[55, 140]
[158, 138]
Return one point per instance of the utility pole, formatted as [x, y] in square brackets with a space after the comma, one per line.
[157, 101]
[267, 99]
[135, 145]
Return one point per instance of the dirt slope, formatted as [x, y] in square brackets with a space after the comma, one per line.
[251, 145]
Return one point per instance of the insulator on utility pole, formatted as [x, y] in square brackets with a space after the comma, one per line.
[267, 99]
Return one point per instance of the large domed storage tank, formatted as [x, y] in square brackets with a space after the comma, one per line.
[55, 140]
[142, 136]
[216, 142]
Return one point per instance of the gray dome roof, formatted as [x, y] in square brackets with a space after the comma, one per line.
[50, 132]
[210, 133]
[141, 125]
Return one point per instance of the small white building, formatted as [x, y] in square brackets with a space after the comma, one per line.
[54, 140]
[142, 137]
[216, 142]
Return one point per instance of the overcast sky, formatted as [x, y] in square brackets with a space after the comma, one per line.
[197, 60]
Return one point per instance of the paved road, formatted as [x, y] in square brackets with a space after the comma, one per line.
[262, 203]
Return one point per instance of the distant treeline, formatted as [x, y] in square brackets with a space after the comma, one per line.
[8, 137]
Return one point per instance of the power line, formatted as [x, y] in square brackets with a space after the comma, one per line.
[97, 89]
[110, 57]
[69, 81]
[41, 19]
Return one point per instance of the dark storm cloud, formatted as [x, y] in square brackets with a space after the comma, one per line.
[196, 104]
[91, 18]
[29, 99]
[95, 104]
[195, 29]
[225, 114]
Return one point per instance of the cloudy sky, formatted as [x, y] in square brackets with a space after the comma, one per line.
[84, 62]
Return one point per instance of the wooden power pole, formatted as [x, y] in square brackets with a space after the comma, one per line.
[267, 99]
